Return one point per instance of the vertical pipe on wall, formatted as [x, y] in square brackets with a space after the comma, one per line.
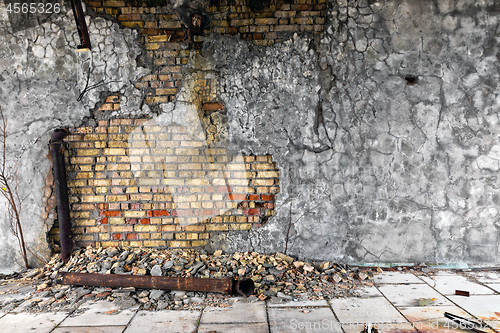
[61, 188]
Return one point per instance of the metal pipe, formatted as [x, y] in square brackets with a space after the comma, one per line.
[244, 287]
[81, 25]
[61, 188]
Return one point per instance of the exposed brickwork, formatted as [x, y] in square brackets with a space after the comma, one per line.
[168, 44]
[140, 184]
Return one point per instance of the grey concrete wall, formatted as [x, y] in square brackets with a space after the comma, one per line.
[372, 168]
[41, 78]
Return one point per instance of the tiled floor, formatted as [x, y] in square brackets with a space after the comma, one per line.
[399, 302]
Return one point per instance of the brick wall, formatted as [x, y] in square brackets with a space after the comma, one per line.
[169, 45]
[136, 183]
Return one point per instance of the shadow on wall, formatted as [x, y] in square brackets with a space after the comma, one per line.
[158, 183]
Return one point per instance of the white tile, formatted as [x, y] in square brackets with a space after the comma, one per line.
[494, 286]
[485, 277]
[100, 313]
[164, 321]
[367, 291]
[485, 307]
[449, 283]
[419, 313]
[409, 294]
[90, 329]
[234, 328]
[365, 310]
[313, 303]
[238, 312]
[396, 277]
[27, 322]
[382, 328]
[289, 320]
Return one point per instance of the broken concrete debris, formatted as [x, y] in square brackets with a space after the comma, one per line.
[277, 278]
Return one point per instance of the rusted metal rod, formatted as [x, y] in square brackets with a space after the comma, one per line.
[244, 287]
[81, 25]
[61, 188]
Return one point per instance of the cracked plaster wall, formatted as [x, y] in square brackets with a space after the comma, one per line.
[372, 168]
[375, 168]
[41, 77]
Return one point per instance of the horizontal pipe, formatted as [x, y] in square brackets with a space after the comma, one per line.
[244, 287]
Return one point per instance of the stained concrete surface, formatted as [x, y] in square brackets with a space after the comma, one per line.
[335, 315]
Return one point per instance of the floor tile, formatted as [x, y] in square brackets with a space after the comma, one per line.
[419, 313]
[15, 291]
[382, 328]
[90, 329]
[485, 277]
[289, 320]
[234, 328]
[443, 325]
[365, 310]
[99, 313]
[396, 277]
[164, 321]
[447, 285]
[485, 307]
[494, 286]
[409, 295]
[367, 291]
[27, 322]
[238, 312]
[298, 303]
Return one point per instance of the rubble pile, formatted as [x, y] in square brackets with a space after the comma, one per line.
[278, 278]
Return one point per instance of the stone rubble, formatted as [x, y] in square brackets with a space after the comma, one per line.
[278, 278]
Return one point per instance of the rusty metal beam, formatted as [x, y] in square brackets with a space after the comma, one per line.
[81, 25]
[244, 287]
[61, 189]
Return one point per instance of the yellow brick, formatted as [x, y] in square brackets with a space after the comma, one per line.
[155, 235]
[135, 244]
[101, 190]
[93, 198]
[81, 190]
[197, 181]
[145, 228]
[115, 198]
[123, 228]
[238, 182]
[139, 197]
[87, 152]
[131, 24]
[172, 181]
[103, 237]
[155, 220]
[100, 144]
[199, 243]
[192, 236]
[217, 227]
[134, 213]
[85, 222]
[116, 220]
[185, 198]
[156, 243]
[179, 243]
[81, 160]
[148, 181]
[118, 167]
[143, 236]
[170, 227]
[194, 228]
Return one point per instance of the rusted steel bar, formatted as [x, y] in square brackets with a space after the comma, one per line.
[244, 287]
[81, 25]
[61, 188]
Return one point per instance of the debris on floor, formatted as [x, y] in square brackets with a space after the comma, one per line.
[278, 278]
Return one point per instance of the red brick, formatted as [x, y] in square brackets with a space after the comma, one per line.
[144, 221]
[268, 197]
[252, 211]
[131, 236]
[112, 213]
[212, 106]
[254, 197]
[116, 236]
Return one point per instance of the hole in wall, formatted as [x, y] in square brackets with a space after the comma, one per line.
[411, 79]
